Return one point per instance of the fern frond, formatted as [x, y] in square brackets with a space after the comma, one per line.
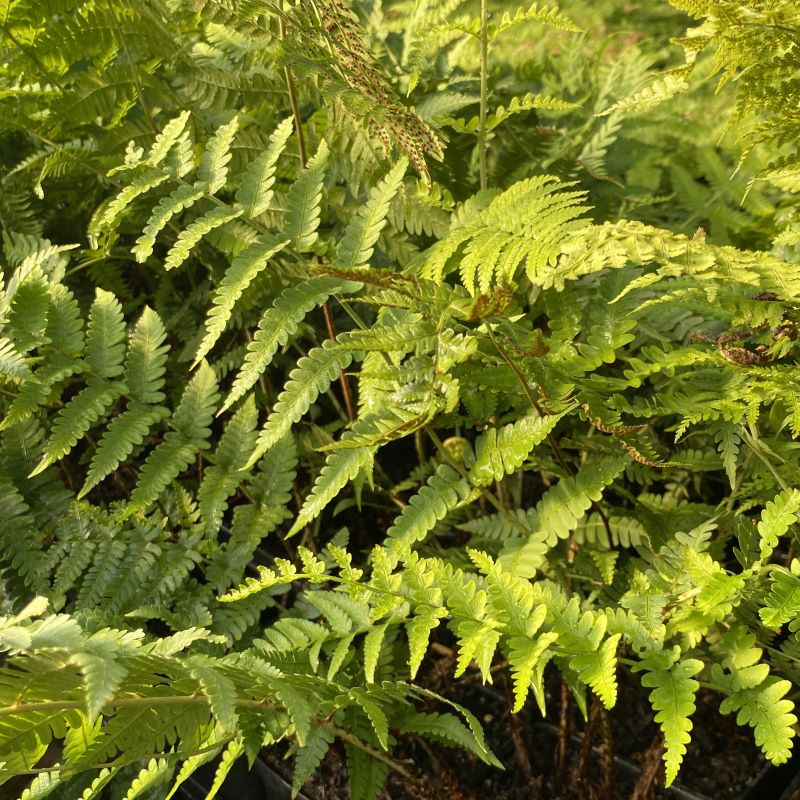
[12, 363]
[218, 688]
[313, 374]
[221, 479]
[674, 690]
[659, 91]
[105, 336]
[363, 230]
[125, 432]
[212, 173]
[255, 192]
[75, 419]
[340, 468]
[303, 202]
[242, 271]
[310, 755]
[110, 213]
[191, 235]
[166, 139]
[157, 772]
[180, 198]
[778, 515]
[558, 513]
[769, 712]
[500, 452]
[191, 422]
[443, 492]
[598, 670]
[782, 604]
[534, 13]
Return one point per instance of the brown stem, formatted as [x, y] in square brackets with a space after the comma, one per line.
[606, 752]
[298, 120]
[564, 732]
[343, 381]
[518, 736]
[586, 749]
[652, 769]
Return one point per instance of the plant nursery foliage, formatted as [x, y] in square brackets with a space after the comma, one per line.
[330, 330]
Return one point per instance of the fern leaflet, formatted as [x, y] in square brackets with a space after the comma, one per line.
[303, 202]
[363, 230]
[255, 192]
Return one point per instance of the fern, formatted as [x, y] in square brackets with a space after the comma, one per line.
[222, 479]
[674, 689]
[256, 190]
[356, 247]
[769, 712]
[444, 491]
[309, 756]
[191, 421]
[242, 271]
[144, 370]
[778, 515]
[558, 513]
[192, 234]
[556, 374]
[213, 170]
[303, 202]
[781, 605]
[503, 452]
[181, 198]
[314, 374]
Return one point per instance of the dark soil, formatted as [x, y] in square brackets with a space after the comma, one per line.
[721, 762]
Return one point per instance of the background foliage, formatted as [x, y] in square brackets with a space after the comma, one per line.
[324, 328]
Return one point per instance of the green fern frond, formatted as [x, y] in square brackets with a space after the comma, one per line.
[191, 422]
[125, 432]
[313, 374]
[242, 271]
[782, 604]
[559, 511]
[110, 213]
[340, 468]
[218, 688]
[654, 94]
[167, 138]
[224, 476]
[444, 491]
[157, 772]
[105, 336]
[502, 452]
[769, 712]
[363, 230]
[310, 755]
[598, 670]
[674, 689]
[212, 173]
[180, 198]
[12, 363]
[303, 202]
[75, 419]
[192, 234]
[534, 13]
[256, 192]
[778, 515]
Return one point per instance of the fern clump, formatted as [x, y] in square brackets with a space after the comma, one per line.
[329, 342]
